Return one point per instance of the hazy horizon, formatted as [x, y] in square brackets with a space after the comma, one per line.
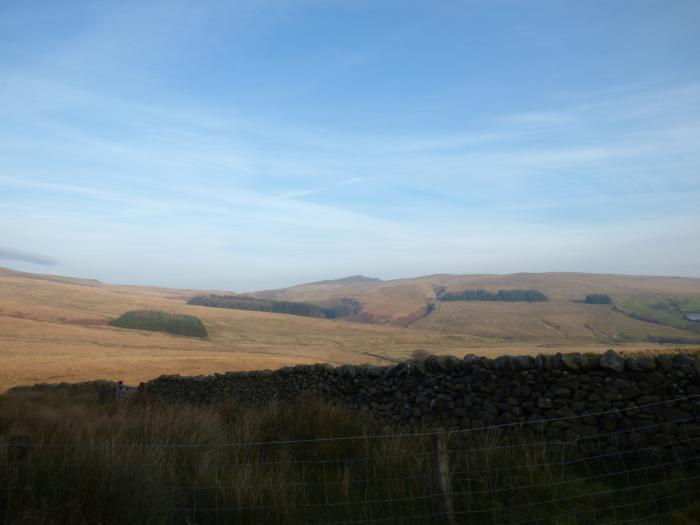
[48, 272]
[256, 145]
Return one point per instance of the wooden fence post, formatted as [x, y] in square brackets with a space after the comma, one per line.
[443, 482]
[18, 456]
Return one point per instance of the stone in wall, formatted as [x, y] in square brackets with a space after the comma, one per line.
[612, 401]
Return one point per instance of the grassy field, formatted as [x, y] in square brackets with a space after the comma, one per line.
[140, 461]
[552, 321]
[665, 310]
[401, 302]
[56, 329]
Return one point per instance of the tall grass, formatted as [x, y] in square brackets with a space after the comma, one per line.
[140, 461]
[153, 320]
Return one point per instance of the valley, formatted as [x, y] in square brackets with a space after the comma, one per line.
[54, 329]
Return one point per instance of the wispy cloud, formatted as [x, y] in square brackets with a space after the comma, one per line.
[538, 118]
[300, 193]
[27, 257]
[353, 180]
[120, 145]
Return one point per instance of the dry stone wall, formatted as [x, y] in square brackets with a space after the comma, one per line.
[647, 399]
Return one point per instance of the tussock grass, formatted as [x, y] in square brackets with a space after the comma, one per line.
[663, 350]
[140, 461]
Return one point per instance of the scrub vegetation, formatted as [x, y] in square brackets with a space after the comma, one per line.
[143, 461]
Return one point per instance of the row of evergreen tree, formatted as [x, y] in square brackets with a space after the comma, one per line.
[242, 302]
[509, 296]
[161, 322]
[345, 308]
[501, 295]
[598, 298]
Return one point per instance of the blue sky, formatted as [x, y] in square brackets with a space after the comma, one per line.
[254, 144]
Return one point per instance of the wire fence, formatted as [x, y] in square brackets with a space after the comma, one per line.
[645, 468]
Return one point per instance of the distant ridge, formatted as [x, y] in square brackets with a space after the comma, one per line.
[641, 306]
[353, 279]
[641, 309]
[49, 277]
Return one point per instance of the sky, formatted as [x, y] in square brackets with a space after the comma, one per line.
[248, 144]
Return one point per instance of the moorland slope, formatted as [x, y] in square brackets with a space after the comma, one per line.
[644, 306]
[56, 329]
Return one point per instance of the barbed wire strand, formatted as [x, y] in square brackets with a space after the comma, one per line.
[378, 436]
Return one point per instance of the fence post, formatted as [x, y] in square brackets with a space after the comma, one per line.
[443, 482]
[18, 453]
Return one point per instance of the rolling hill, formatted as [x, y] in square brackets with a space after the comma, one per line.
[56, 329]
[640, 310]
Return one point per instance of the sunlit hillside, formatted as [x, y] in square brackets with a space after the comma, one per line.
[405, 302]
[55, 329]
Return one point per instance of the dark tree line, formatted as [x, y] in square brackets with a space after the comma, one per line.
[161, 322]
[439, 290]
[598, 298]
[501, 295]
[345, 308]
[242, 302]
